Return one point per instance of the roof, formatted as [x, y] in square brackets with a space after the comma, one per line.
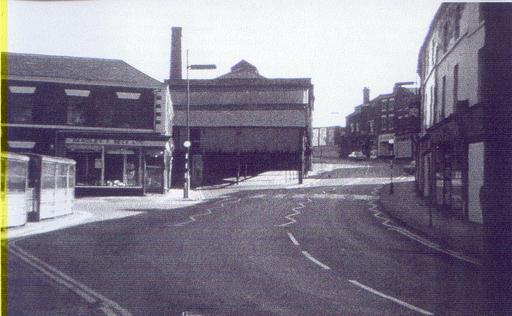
[242, 70]
[76, 70]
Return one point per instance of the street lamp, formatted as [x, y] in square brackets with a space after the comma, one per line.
[188, 143]
[391, 141]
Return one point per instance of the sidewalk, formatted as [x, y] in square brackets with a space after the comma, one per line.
[94, 209]
[413, 211]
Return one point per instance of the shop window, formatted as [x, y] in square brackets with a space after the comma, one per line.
[88, 165]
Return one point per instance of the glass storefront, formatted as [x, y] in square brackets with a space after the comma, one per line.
[448, 178]
[111, 166]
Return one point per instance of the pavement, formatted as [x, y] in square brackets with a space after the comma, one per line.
[409, 209]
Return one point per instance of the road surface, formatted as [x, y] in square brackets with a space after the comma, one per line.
[318, 249]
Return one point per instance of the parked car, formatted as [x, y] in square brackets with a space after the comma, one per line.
[357, 155]
[411, 167]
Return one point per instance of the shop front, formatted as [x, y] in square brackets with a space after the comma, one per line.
[119, 164]
[449, 164]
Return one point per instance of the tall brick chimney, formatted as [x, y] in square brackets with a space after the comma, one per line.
[175, 72]
[366, 95]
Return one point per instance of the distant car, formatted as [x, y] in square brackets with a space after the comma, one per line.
[411, 167]
[357, 155]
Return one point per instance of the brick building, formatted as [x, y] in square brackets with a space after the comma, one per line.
[112, 119]
[393, 115]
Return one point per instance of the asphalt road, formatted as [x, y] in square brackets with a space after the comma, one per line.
[310, 250]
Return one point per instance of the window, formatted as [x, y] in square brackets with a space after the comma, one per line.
[443, 97]
[432, 105]
[455, 85]
[77, 93]
[456, 27]
[21, 101]
[128, 95]
[22, 89]
[371, 125]
[446, 38]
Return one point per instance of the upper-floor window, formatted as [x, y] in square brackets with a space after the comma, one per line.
[21, 102]
[455, 85]
[443, 97]
[446, 35]
[22, 89]
[128, 95]
[77, 93]
[456, 26]
[75, 107]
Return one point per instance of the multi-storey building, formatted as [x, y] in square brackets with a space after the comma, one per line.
[240, 122]
[112, 119]
[465, 160]
[388, 116]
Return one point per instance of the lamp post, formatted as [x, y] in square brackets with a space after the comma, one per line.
[188, 143]
[391, 142]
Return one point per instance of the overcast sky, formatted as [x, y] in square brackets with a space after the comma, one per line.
[342, 45]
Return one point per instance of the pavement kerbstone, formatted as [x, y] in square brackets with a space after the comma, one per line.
[413, 211]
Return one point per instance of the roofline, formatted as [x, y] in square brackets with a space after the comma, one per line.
[80, 82]
[433, 23]
[304, 82]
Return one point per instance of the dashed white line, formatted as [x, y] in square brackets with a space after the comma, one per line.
[310, 257]
[292, 238]
[402, 303]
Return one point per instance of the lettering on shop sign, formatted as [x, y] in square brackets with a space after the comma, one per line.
[106, 141]
[103, 141]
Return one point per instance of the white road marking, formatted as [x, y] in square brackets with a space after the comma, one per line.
[290, 217]
[193, 218]
[310, 257]
[292, 238]
[109, 307]
[407, 233]
[352, 197]
[402, 303]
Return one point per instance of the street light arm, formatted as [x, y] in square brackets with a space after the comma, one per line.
[205, 66]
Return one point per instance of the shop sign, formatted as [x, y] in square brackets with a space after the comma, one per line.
[109, 141]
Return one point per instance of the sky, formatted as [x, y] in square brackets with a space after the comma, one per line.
[341, 45]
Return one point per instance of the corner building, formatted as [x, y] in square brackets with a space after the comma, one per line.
[109, 117]
[465, 70]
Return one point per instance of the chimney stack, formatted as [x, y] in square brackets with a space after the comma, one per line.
[366, 95]
[175, 72]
